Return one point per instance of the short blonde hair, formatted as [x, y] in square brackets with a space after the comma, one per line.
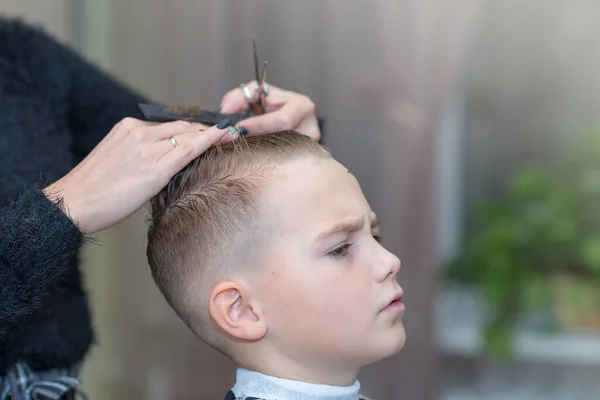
[209, 220]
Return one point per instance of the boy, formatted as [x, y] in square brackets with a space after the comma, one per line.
[268, 250]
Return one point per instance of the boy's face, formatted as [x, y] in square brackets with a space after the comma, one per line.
[327, 281]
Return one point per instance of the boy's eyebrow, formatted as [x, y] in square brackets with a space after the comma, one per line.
[351, 225]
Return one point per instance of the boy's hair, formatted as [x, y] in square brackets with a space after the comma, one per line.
[208, 221]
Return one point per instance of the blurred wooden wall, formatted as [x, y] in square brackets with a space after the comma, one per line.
[532, 84]
[57, 15]
[377, 70]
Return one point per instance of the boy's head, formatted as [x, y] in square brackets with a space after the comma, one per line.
[267, 249]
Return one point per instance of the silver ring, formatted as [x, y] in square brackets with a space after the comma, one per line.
[247, 92]
[266, 89]
[174, 142]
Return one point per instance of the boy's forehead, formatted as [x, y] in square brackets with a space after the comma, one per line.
[316, 189]
[314, 177]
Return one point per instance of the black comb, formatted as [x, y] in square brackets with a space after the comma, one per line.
[161, 113]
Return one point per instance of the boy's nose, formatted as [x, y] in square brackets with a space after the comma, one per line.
[389, 266]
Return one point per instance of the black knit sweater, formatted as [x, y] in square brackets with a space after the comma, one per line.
[54, 108]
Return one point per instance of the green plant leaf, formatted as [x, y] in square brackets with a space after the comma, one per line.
[589, 252]
[547, 223]
[536, 292]
[497, 341]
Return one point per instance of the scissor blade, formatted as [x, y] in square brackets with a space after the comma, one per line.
[257, 76]
[263, 78]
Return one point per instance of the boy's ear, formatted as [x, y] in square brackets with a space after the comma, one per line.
[230, 306]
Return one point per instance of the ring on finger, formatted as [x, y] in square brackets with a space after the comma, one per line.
[174, 142]
[247, 92]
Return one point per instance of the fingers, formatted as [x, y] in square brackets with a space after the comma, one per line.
[234, 102]
[190, 145]
[168, 129]
[128, 124]
[120, 131]
[289, 116]
[145, 131]
[277, 98]
[310, 127]
[159, 148]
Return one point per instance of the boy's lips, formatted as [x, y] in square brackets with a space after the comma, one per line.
[395, 304]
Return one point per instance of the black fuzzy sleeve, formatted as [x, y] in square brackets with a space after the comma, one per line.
[94, 101]
[37, 241]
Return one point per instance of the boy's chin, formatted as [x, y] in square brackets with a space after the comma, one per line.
[400, 341]
[392, 343]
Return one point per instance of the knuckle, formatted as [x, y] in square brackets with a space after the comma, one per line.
[184, 150]
[305, 102]
[183, 125]
[187, 151]
[144, 153]
[285, 122]
[195, 127]
[137, 133]
[128, 123]
[310, 105]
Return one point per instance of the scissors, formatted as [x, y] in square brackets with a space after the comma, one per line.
[256, 103]
[194, 113]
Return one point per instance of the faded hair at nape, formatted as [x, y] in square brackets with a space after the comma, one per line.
[210, 221]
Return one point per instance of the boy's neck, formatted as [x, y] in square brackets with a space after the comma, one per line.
[256, 384]
[272, 363]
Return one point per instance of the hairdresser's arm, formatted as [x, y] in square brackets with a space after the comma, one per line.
[42, 230]
[285, 110]
[37, 242]
[37, 239]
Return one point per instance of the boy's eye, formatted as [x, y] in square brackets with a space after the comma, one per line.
[340, 252]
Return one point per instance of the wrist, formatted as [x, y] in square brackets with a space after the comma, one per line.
[56, 195]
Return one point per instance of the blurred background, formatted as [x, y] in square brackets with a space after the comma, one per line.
[471, 125]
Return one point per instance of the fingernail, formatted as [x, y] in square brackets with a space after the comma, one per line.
[234, 132]
[244, 131]
[224, 123]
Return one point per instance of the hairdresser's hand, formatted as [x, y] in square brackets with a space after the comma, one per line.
[129, 166]
[284, 110]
